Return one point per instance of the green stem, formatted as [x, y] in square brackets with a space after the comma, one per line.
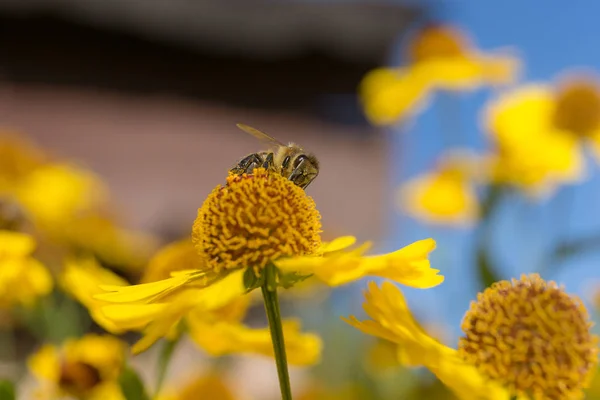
[269, 291]
[164, 360]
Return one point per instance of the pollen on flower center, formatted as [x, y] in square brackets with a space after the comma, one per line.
[436, 41]
[578, 107]
[532, 337]
[255, 219]
[78, 378]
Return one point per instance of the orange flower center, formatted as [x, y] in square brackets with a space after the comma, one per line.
[532, 337]
[78, 378]
[578, 107]
[436, 41]
[254, 220]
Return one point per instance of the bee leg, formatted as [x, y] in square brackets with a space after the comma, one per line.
[299, 177]
[268, 164]
[247, 164]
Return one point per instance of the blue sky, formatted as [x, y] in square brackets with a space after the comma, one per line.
[550, 37]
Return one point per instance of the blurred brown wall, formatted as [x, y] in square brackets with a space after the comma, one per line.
[162, 155]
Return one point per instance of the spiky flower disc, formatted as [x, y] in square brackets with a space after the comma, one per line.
[531, 336]
[254, 220]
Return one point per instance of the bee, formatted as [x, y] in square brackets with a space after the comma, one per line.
[291, 161]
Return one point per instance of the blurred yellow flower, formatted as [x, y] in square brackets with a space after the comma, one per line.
[538, 129]
[440, 57]
[210, 386]
[177, 256]
[87, 368]
[253, 221]
[23, 279]
[345, 392]
[522, 338]
[124, 249]
[54, 194]
[18, 158]
[445, 196]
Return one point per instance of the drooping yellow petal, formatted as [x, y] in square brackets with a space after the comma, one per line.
[390, 95]
[470, 71]
[45, 363]
[409, 266]
[220, 338]
[337, 244]
[392, 320]
[82, 279]
[132, 316]
[145, 292]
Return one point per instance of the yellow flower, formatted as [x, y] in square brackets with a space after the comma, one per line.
[217, 328]
[440, 57]
[254, 221]
[445, 196]
[99, 235]
[210, 386]
[521, 338]
[85, 368]
[538, 130]
[22, 278]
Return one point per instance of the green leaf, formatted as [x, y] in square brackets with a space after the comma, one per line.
[251, 281]
[132, 386]
[7, 390]
[487, 274]
[286, 281]
[164, 359]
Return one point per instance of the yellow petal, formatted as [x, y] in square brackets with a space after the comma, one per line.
[158, 320]
[143, 292]
[82, 278]
[337, 244]
[45, 363]
[469, 71]
[132, 316]
[409, 266]
[221, 338]
[391, 95]
[15, 244]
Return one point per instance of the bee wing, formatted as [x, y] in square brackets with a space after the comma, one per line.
[260, 135]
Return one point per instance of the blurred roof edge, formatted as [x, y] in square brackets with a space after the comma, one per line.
[358, 29]
[299, 57]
